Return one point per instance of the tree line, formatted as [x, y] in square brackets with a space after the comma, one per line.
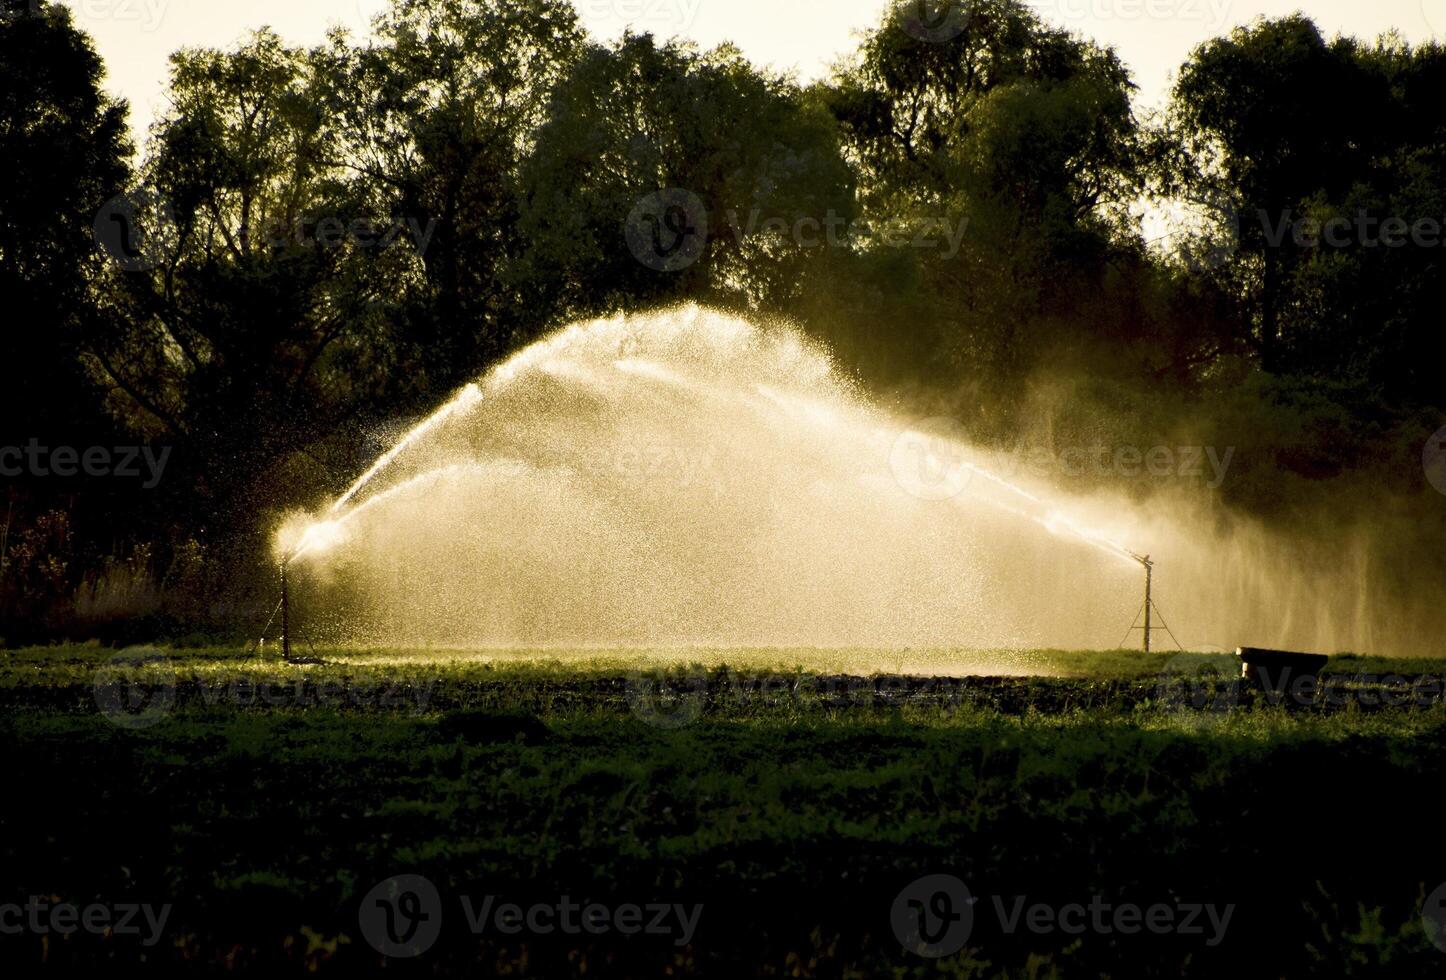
[314, 241]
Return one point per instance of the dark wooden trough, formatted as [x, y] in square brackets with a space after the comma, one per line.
[1278, 670]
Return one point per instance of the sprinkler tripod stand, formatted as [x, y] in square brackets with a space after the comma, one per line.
[1149, 606]
[284, 607]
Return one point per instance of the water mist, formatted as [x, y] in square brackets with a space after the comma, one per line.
[688, 477]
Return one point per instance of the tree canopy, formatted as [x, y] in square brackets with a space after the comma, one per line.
[318, 240]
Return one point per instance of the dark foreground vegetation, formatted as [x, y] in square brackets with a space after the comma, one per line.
[263, 802]
[315, 245]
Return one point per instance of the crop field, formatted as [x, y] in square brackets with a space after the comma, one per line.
[548, 489]
[601, 814]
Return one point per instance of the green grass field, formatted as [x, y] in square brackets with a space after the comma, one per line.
[783, 798]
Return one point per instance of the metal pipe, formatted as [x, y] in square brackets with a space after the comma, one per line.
[285, 617]
[1149, 600]
[1149, 575]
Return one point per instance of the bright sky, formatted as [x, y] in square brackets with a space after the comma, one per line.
[1153, 36]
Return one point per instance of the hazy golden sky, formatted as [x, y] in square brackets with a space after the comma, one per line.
[1153, 36]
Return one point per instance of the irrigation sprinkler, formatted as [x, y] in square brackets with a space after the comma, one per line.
[284, 608]
[1149, 606]
[286, 615]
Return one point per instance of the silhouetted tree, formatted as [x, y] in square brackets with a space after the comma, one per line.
[63, 144]
[1019, 140]
[1265, 117]
[438, 117]
[320, 239]
[750, 167]
[257, 326]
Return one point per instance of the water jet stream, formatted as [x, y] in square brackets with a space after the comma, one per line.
[466, 398]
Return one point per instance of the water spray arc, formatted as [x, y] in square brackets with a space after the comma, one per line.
[321, 533]
[686, 477]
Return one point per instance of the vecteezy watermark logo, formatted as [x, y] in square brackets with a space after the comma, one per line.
[667, 699]
[1435, 13]
[136, 688]
[1206, 464]
[301, 692]
[1202, 687]
[402, 916]
[1212, 12]
[93, 461]
[928, 462]
[331, 231]
[1104, 918]
[1215, 238]
[935, 21]
[146, 13]
[1433, 917]
[675, 700]
[667, 230]
[574, 918]
[39, 917]
[365, 12]
[137, 230]
[1433, 459]
[675, 14]
[933, 916]
[17, 9]
[941, 233]
[651, 466]
[1360, 230]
